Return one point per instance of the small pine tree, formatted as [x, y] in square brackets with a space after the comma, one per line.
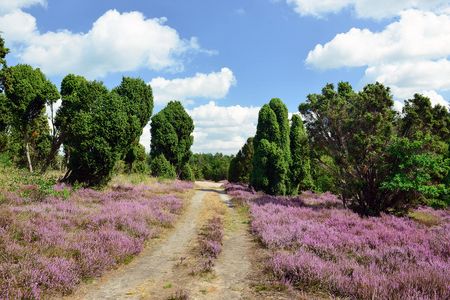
[161, 167]
[300, 167]
[271, 146]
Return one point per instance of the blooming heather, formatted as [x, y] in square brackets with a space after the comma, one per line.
[315, 244]
[48, 247]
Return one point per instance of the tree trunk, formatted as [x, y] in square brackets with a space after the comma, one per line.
[27, 150]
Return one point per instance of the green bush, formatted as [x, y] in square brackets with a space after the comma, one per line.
[161, 167]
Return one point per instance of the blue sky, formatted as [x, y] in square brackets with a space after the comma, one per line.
[224, 59]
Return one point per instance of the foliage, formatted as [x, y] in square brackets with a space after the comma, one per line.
[300, 167]
[98, 127]
[27, 91]
[241, 165]
[271, 146]
[161, 167]
[136, 159]
[359, 131]
[171, 131]
[187, 173]
[269, 169]
[210, 166]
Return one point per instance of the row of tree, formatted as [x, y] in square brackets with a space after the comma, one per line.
[96, 127]
[354, 144]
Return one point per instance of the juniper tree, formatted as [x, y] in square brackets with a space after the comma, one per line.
[300, 167]
[271, 145]
[171, 131]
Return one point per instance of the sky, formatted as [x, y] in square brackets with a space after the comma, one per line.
[225, 58]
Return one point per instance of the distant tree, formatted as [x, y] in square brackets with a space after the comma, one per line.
[300, 167]
[425, 135]
[161, 167]
[210, 166]
[271, 146]
[171, 131]
[187, 173]
[241, 165]
[28, 91]
[3, 52]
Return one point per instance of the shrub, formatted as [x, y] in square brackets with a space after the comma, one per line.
[161, 167]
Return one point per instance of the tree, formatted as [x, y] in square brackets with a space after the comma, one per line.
[171, 131]
[98, 127]
[136, 159]
[161, 167]
[27, 90]
[3, 52]
[271, 145]
[425, 132]
[300, 167]
[241, 165]
[359, 131]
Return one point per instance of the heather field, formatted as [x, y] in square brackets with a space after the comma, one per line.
[316, 245]
[52, 237]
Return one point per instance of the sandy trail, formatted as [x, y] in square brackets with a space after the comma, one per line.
[157, 272]
[150, 265]
[233, 267]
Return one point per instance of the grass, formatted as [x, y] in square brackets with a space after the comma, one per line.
[425, 218]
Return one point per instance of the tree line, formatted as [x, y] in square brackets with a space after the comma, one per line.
[353, 144]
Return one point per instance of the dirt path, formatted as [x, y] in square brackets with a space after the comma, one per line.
[159, 272]
[150, 265]
[232, 270]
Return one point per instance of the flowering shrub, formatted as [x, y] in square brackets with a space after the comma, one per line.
[49, 246]
[315, 244]
[210, 243]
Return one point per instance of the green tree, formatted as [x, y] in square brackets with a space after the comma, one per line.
[161, 167]
[354, 129]
[98, 127]
[271, 146]
[171, 131]
[241, 165]
[28, 91]
[300, 167]
[359, 131]
[136, 159]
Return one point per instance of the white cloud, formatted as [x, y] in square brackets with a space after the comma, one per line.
[117, 42]
[213, 86]
[416, 36]
[410, 55]
[223, 128]
[367, 8]
[7, 6]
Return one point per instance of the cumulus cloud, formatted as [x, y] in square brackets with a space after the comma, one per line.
[212, 86]
[117, 42]
[7, 6]
[409, 55]
[223, 128]
[367, 8]
[416, 36]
